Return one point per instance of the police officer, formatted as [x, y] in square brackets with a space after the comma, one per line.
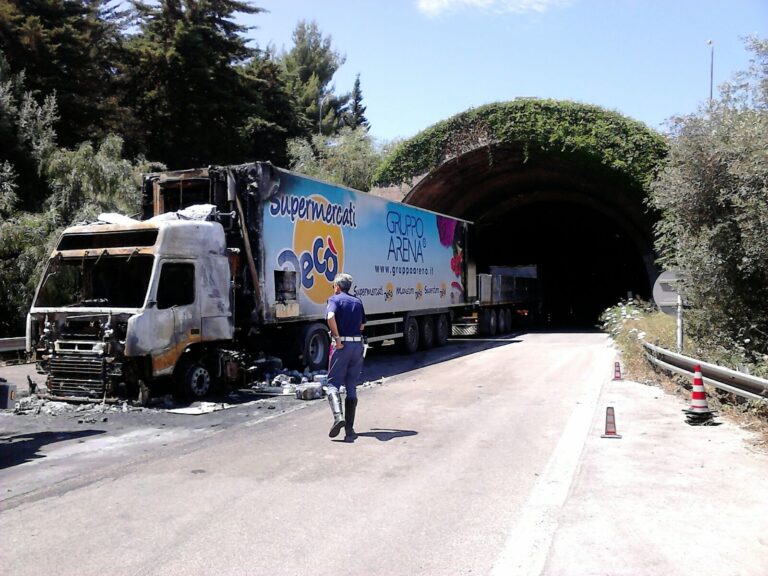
[346, 319]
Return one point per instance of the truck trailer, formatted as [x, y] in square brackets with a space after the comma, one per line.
[230, 262]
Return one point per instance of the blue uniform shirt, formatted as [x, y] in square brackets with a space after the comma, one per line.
[348, 312]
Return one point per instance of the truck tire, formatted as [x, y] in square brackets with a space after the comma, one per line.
[488, 322]
[442, 330]
[508, 316]
[501, 322]
[196, 381]
[315, 346]
[427, 332]
[409, 343]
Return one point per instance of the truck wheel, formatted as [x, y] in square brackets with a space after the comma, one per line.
[197, 381]
[144, 394]
[427, 329]
[508, 316]
[442, 330]
[409, 343]
[501, 322]
[488, 322]
[315, 347]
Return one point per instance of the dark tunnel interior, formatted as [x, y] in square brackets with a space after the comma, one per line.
[585, 261]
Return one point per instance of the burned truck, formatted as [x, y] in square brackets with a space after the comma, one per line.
[228, 263]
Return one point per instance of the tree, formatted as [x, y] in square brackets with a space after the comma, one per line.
[24, 242]
[713, 198]
[90, 180]
[27, 138]
[275, 116]
[349, 158]
[185, 83]
[8, 197]
[67, 48]
[310, 65]
[354, 113]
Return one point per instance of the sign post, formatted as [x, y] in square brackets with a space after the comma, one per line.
[669, 301]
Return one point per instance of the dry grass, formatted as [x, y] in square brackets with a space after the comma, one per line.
[632, 323]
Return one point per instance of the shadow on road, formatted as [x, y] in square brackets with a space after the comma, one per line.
[24, 447]
[384, 434]
[390, 361]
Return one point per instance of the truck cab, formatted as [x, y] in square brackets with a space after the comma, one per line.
[119, 304]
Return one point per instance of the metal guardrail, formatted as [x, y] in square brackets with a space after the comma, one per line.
[726, 379]
[13, 344]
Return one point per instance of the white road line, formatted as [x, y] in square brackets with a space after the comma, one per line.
[527, 546]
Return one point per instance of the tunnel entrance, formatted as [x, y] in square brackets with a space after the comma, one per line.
[558, 184]
[585, 261]
[585, 228]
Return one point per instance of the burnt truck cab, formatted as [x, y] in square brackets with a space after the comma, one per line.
[120, 303]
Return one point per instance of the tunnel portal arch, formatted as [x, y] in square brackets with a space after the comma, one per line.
[558, 184]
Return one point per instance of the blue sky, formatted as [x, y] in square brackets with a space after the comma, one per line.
[421, 61]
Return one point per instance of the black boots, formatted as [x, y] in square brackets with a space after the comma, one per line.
[350, 407]
[339, 420]
[338, 417]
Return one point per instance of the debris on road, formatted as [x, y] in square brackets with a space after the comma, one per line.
[312, 391]
[34, 405]
[197, 408]
[292, 382]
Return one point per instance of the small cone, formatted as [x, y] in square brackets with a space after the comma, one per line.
[610, 424]
[617, 371]
[699, 412]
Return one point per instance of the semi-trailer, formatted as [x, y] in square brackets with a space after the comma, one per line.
[228, 262]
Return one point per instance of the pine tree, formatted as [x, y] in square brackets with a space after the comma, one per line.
[310, 66]
[184, 82]
[275, 115]
[66, 48]
[354, 114]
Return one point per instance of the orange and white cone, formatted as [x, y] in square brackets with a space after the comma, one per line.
[617, 370]
[610, 424]
[699, 411]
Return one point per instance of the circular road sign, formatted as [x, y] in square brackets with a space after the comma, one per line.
[665, 292]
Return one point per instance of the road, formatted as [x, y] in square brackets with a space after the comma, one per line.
[488, 460]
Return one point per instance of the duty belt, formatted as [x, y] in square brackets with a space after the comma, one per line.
[351, 338]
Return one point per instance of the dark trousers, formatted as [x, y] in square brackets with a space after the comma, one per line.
[346, 368]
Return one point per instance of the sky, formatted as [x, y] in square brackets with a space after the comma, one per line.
[422, 61]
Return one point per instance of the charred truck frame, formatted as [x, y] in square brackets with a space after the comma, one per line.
[228, 262]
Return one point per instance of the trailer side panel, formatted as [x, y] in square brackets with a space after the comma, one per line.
[402, 258]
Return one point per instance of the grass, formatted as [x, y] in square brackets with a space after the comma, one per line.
[632, 322]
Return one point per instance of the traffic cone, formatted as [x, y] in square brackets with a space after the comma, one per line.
[617, 371]
[610, 424]
[699, 412]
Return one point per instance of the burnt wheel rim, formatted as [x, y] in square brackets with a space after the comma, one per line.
[199, 381]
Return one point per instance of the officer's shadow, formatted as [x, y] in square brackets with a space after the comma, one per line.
[386, 434]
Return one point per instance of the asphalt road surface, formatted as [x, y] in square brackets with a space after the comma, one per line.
[484, 457]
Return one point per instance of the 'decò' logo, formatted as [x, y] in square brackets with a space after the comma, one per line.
[318, 248]
[389, 292]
